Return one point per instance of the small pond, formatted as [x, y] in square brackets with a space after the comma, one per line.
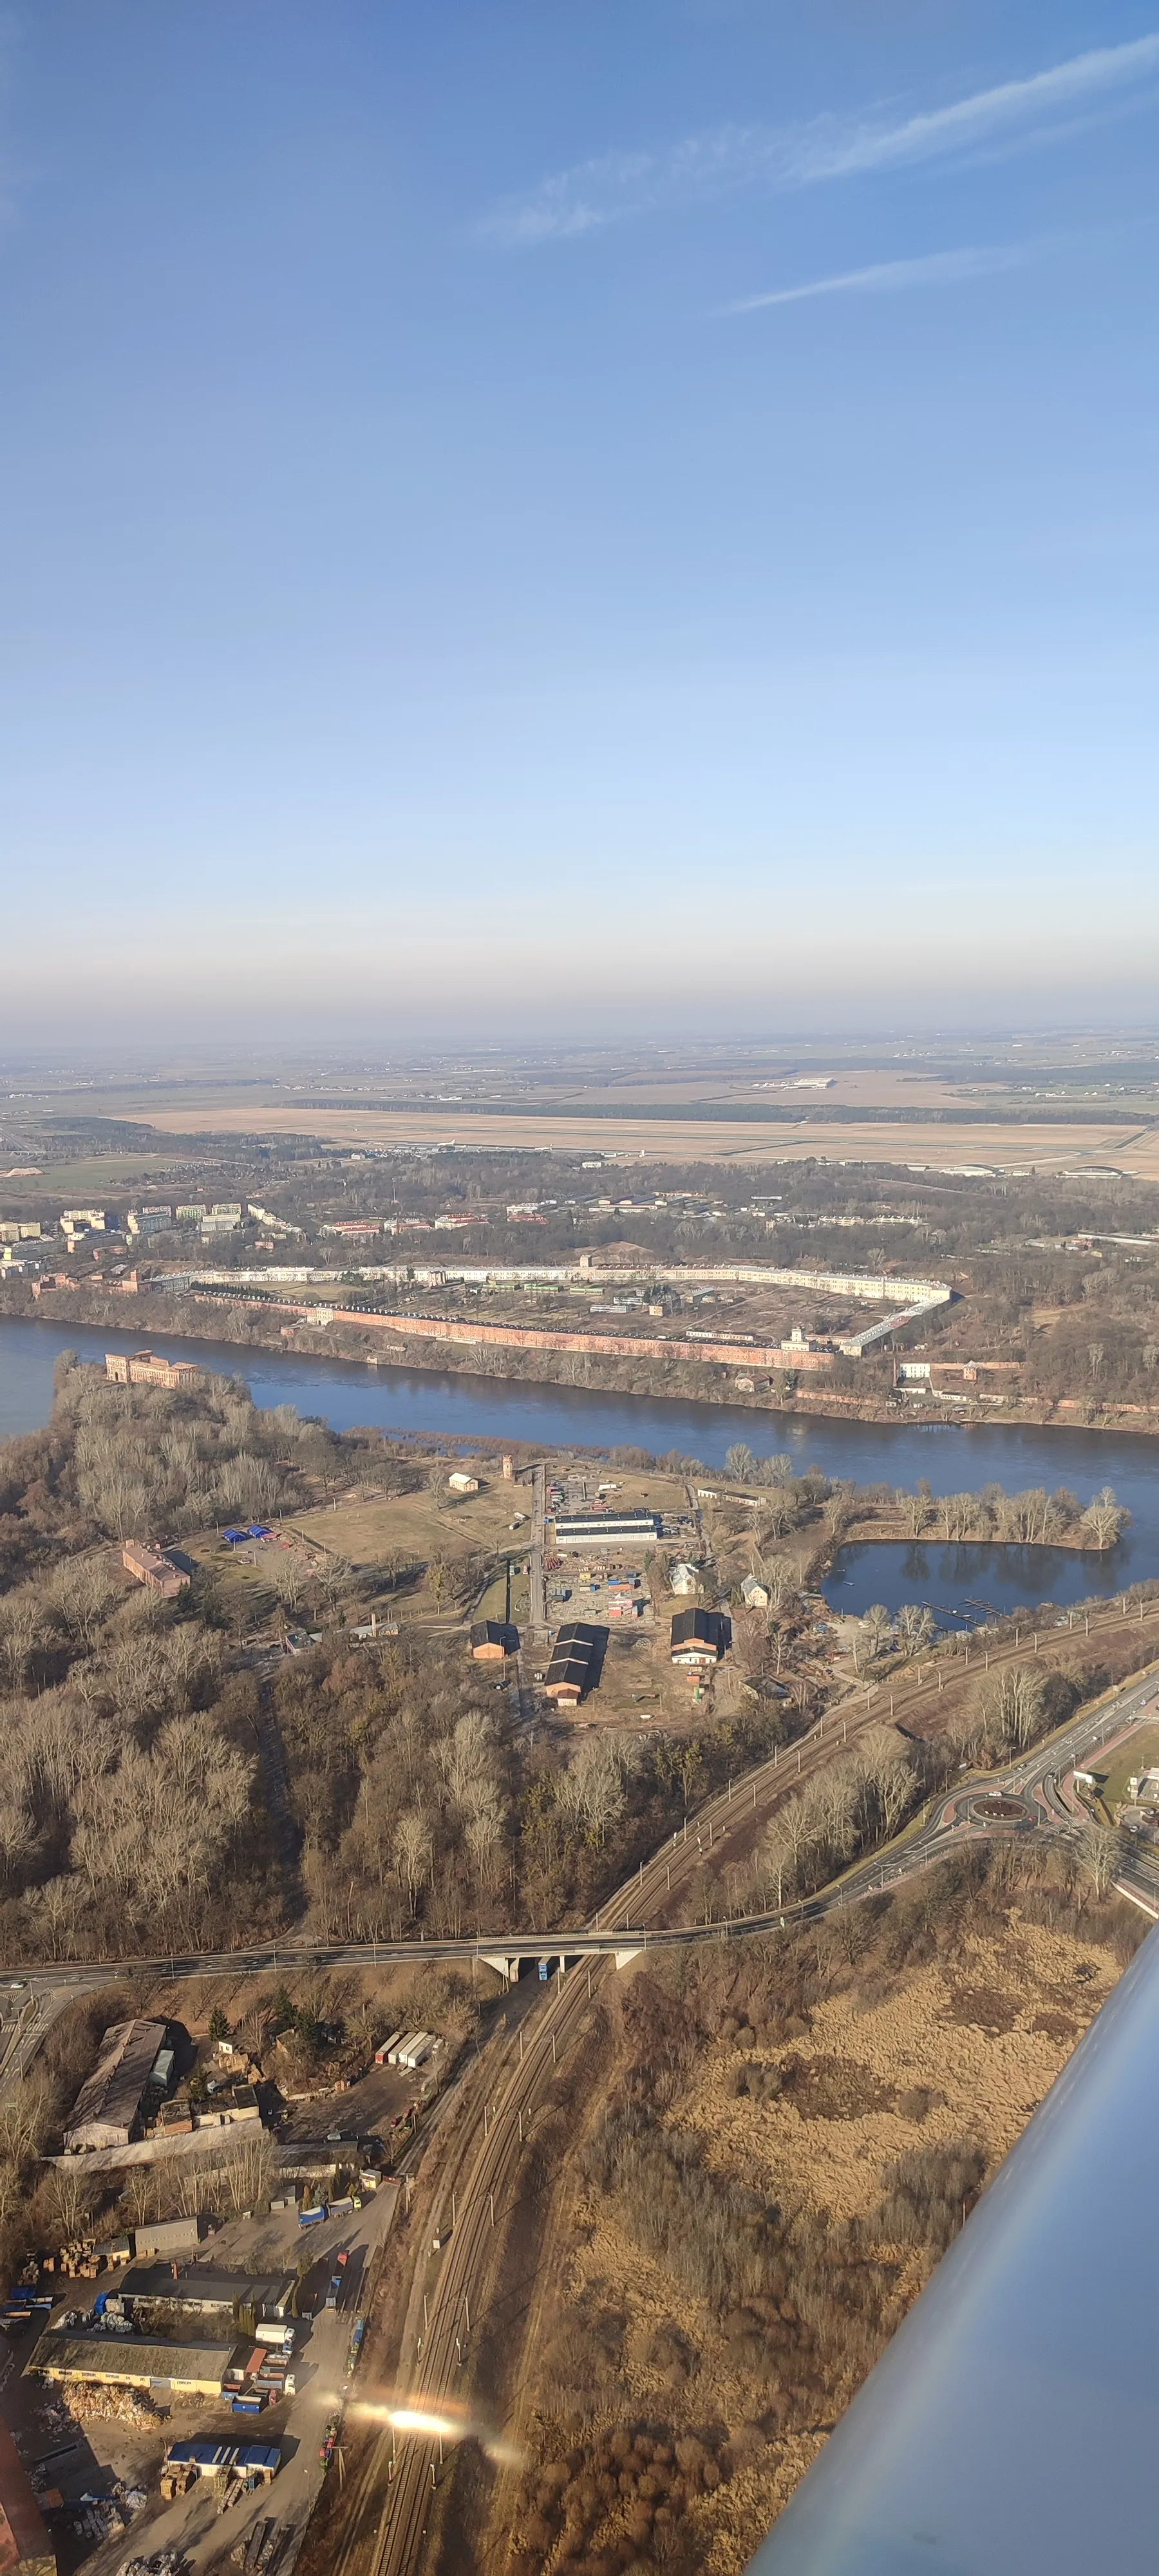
[964, 1583]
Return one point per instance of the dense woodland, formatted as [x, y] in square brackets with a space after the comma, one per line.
[133, 1809]
[134, 1759]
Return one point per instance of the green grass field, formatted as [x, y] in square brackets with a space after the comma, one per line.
[94, 1176]
[1114, 1769]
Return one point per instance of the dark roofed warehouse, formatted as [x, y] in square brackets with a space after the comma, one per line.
[700, 1636]
[492, 1639]
[205, 2292]
[575, 1662]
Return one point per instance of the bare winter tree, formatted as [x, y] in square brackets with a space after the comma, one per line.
[915, 1626]
[1104, 1518]
[1008, 1708]
[877, 1628]
[1101, 1856]
[414, 1852]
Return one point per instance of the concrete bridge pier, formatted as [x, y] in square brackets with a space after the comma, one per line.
[505, 1964]
[508, 1963]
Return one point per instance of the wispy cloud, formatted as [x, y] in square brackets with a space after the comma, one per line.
[729, 159]
[893, 276]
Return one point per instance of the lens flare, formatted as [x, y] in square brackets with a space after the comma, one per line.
[437, 2419]
[421, 2419]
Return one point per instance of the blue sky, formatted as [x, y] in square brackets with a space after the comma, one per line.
[580, 516]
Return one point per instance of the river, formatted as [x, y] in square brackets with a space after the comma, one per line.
[953, 1457]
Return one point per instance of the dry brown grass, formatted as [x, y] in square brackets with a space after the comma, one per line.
[823, 2095]
[699, 1138]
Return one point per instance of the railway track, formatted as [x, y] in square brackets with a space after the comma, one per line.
[397, 2483]
[388, 2512]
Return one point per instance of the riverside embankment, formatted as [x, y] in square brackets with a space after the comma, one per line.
[455, 1406]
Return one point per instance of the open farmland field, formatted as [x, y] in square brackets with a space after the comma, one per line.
[692, 1137]
[96, 1176]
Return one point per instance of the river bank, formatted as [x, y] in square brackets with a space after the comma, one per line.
[455, 1408]
[891, 1528]
[684, 1378]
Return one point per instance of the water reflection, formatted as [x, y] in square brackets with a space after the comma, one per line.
[964, 1582]
[950, 1457]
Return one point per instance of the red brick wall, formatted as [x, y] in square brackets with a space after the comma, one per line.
[525, 1337]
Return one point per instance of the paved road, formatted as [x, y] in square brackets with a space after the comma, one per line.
[632, 1917]
[537, 1616]
[397, 2480]
[628, 1917]
[1039, 1780]
[490, 2115]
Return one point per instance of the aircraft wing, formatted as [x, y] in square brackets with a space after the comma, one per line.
[1012, 2426]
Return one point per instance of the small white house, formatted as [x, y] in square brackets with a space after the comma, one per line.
[682, 1578]
[754, 1594]
[461, 1484]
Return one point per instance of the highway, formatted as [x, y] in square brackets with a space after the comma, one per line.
[488, 2115]
[397, 2480]
[627, 1919]
[633, 1917]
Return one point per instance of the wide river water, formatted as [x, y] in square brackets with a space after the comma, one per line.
[958, 1582]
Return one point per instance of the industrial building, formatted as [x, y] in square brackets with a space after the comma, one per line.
[493, 1639]
[168, 2236]
[143, 1368]
[700, 1636]
[25, 2547]
[151, 1567]
[584, 1529]
[205, 2293]
[135, 2060]
[124, 2361]
[575, 1661]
